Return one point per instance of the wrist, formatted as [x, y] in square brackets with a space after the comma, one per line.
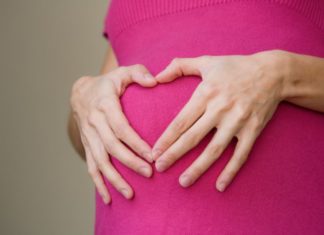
[279, 65]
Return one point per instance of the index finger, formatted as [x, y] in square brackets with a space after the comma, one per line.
[188, 115]
[180, 67]
[122, 129]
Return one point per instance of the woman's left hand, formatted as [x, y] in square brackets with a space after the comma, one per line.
[238, 95]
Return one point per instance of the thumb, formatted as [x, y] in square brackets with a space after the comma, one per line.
[140, 74]
[125, 75]
[180, 67]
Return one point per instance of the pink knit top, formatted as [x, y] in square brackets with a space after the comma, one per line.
[280, 189]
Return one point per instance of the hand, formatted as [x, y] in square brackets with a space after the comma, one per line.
[238, 95]
[104, 128]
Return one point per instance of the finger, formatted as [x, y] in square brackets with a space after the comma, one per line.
[116, 179]
[102, 160]
[93, 172]
[97, 177]
[186, 142]
[133, 74]
[180, 67]
[241, 152]
[116, 148]
[140, 74]
[210, 154]
[122, 128]
[192, 110]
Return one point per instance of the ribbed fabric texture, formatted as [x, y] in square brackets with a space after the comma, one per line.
[131, 13]
[280, 189]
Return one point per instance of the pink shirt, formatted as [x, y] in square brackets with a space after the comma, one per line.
[280, 189]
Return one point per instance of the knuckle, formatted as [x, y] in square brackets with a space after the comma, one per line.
[92, 119]
[230, 173]
[214, 149]
[103, 104]
[80, 81]
[225, 106]
[197, 170]
[115, 180]
[164, 143]
[120, 133]
[101, 162]
[242, 113]
[190, 138]
[178, 126]
[206, 90]
[120, 130]
[170, 156]
[92, 171]
[256, 123]
[110, 144]
[139, 67]
[241, 160]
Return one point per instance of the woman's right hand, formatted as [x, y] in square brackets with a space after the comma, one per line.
[104, 128]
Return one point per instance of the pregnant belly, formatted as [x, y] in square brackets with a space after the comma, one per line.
[279, 189]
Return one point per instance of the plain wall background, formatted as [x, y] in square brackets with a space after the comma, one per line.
[45, 46]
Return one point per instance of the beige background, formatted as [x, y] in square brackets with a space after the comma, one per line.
[45, 46]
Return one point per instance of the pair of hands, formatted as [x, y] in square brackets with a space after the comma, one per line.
[238, 95]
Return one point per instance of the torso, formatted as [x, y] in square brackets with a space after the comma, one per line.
[280, 190]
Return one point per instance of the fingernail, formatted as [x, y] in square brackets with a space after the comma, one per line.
[156, 153]
[145, 171]
[160, 165]
[221, 186]
[148, 156]
[185, 180]
[148, 76]
[125, 192]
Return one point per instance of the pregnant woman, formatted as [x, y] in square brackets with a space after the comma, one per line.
[219, 105]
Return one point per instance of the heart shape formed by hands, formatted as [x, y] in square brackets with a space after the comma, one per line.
[238, 108]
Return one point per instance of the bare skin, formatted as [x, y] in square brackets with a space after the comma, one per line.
[238, 95]
[97, 126]
[110, 63]
[266, 79]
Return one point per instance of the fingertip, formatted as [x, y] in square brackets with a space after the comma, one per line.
[130, 195]
[221, 186]
[148, 156]
[161, 77]
[144, 79]
[185, 180]
[107, 200]
[105, 197]
[162, 165]
[146, 171]
[156, 153]
[127, 193]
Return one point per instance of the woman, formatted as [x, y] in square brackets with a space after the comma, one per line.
[182, 69]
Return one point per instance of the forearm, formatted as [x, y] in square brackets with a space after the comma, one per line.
[110, 63]
[304, 83]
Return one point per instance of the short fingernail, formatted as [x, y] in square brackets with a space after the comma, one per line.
[161, 165]
[148, 76]
[125, 192]
[221, 186]
[144, 170]
[148, 156]
[185, 180]
[156, 153]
